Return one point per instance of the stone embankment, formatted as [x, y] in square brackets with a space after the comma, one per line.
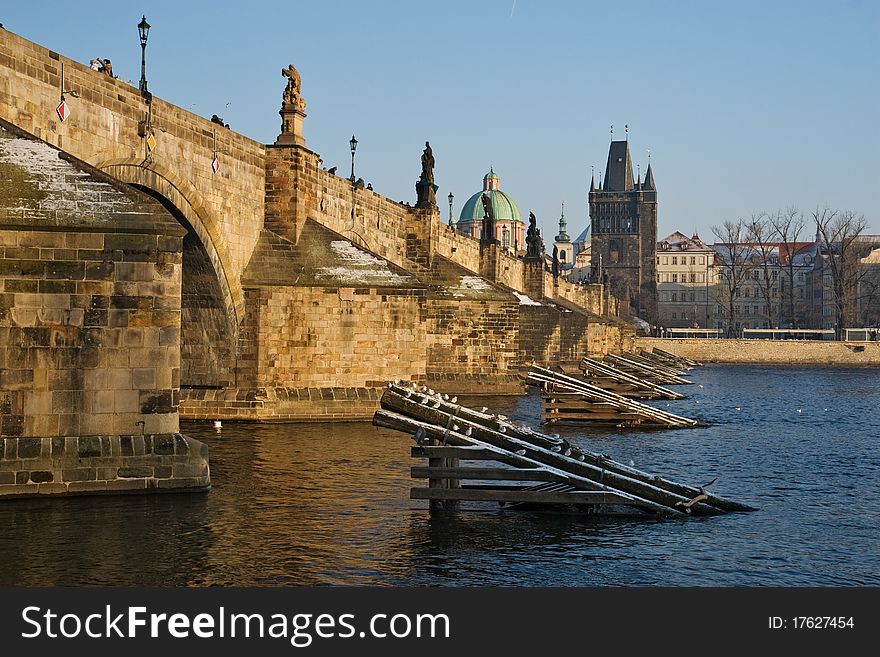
[783, 352]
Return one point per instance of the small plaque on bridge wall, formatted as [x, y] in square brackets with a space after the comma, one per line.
[62, 111]
[151, 142]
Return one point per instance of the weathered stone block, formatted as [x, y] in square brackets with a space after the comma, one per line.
[135, 472]
[42, 476]
[88, 446]
[79, 474]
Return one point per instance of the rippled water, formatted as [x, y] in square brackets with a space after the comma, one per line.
[328, 504]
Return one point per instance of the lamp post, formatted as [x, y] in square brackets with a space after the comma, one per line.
[144, 31]
[354, 144]
[450, 197]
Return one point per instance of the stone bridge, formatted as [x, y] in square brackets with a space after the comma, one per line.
[302, 293]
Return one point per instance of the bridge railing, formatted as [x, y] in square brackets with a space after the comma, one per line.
[865, 334]
[787, 334]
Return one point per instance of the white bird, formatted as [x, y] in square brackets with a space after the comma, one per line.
[445, 397]
[698, 401]
[501, 428]
[454, 399]
[567, 452]
[825, 409]
[455, 427]
[701, 385]
[502, 417]
[469, 431]
[631, 462]
[739, 408]
[430, 392]
[436, 405]
[556, 448]
[798, 410]
[580, 457]
[484, 409]
[426, 400]
[521, 452]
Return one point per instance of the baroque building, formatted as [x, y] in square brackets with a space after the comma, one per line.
[509, 226]
[623, 216]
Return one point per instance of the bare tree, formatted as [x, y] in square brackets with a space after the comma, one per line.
[788, 225]
[765, 261]
[840, 231]
[735, 269]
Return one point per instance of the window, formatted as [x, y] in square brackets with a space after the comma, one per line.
[674, 260]
[774, 275]
[693, 278]
[693, 260]
[562, 256]
[701, 278]
[701, 260]
[691, 296]
[675, 277]
[674, 316]
[674, 296]
[505, 238]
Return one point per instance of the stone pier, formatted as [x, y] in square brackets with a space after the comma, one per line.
[90, 275]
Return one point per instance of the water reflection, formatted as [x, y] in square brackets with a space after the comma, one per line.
[317, 504]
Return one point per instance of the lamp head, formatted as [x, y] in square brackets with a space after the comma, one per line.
[144, 30]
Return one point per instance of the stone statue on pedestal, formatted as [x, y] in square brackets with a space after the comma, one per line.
[426, 190]
[534, 243]
[292, 109]
[488, 232]
[555, 266]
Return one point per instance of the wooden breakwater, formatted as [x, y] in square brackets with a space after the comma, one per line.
[517, 465]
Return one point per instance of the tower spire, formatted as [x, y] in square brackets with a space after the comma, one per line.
[563, 234]
[592, 178]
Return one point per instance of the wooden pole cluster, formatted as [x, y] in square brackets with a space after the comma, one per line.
[609, 378]
[569, 399]
[447, 433]
[665, 358]
[636, 366]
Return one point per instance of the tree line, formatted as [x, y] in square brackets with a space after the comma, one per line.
[768, 252]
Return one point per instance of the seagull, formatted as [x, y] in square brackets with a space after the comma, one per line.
[501, 428]
[631, 462]
[436, 405]
[521, 452]
[454, 399]
[469, 431]
[484, 409]
[445, 397]
[567, 452]
[455, 427]
[502, 417]
[430, 392]
[580, 457]
[426, 400]
[825, 409]
[798, 410]
[739, 408]
[556, 448]
[701, 385]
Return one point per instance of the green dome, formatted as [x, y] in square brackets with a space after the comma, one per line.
[504, 207]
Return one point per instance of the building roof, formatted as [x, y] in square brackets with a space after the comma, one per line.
[586, 235]
[678, 241]
[618, 172]
[504, 207]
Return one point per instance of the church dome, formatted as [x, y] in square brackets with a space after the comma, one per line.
[504, 207]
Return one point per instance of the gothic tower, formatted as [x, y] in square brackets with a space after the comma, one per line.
[624, 228]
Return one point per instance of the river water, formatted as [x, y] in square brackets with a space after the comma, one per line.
[318, 504]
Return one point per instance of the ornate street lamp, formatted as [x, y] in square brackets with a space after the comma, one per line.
[451, 220]
[354, 144]
[144, 31]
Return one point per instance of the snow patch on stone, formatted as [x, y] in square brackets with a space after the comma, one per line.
[525, 300]
[358, 267]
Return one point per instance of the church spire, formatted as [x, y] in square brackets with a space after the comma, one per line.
[563, 234]
[649, 179]
[592, 179]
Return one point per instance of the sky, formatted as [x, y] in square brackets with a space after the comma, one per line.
[746, 106]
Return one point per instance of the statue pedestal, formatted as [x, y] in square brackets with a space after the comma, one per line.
[291, 127]
[426, 194]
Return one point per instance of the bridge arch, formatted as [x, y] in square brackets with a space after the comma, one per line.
[212, 300]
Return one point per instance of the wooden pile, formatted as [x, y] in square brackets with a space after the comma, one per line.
[664, 357]
[539, 469]
[567, 399]
[609, 378]
[644, 369]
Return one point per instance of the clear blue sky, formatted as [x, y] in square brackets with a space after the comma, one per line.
[746, 106]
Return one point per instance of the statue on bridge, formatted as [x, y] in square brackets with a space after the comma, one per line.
[426, 190]
[292, 110]
[534, 243]
[488, 234]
